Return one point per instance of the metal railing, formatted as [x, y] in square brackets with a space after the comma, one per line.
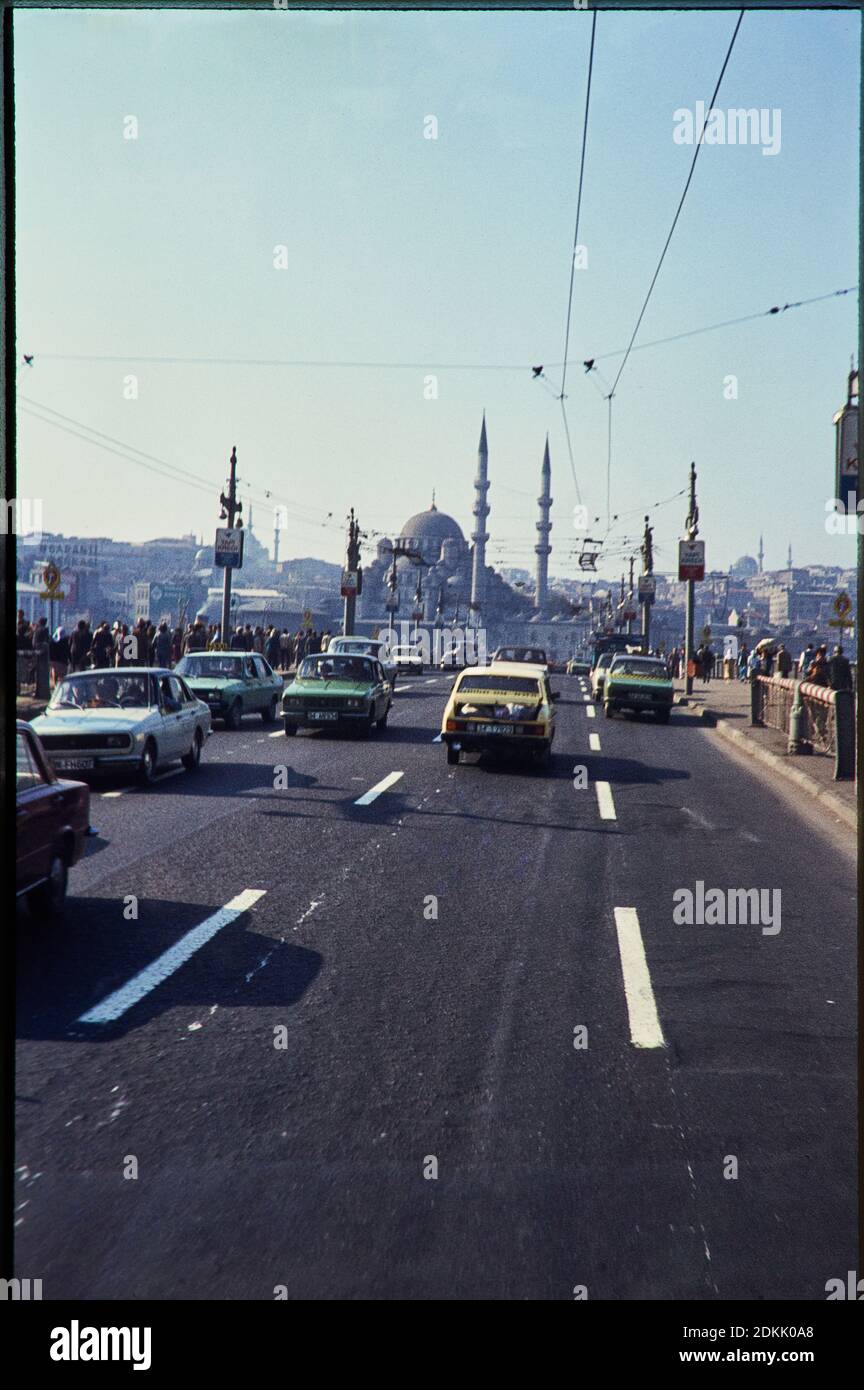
[813, 717]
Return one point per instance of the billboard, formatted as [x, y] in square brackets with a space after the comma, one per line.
[846, 470]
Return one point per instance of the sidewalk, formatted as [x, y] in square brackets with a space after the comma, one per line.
[725, 706]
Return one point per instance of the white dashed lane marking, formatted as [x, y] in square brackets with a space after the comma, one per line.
[114, 1005]
[589, 710]
[594, 742]
[605, 802]
[645, 1030]
[379, 787]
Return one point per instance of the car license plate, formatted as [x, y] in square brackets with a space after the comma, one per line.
[72, 764]
[641, 695]
[494, 728]
[323, 714]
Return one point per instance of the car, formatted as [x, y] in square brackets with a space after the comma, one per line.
[337, 691]
[128, 717]
[375, 647]
[52, 820]
[534, 656]
[638, 683]
[598, 674]
[577, 667]
[232, 684]
[508, 706]
[407, 659]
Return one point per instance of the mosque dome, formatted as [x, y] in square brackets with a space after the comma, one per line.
[430, 528]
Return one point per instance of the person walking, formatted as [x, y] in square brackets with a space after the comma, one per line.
[817, 673]
[754, 662]
[238, 641]
[299, 646]
[162, 646]
[742, 662]
[79, 646]
[839, 671]
[286, 648]
[784, 662]
[271, 648]
[58, 656]
[805, 660]
[103, 646]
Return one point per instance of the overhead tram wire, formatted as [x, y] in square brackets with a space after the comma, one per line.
[680, 203]
[172, 472]
[562, 396]
[520, 367]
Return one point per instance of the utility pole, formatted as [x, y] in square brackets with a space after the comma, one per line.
[231, 509]
[647, 568]
[630, 599]
[353, 564]
[692, 527]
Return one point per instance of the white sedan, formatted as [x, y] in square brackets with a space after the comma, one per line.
[127, 717]
[407, 659]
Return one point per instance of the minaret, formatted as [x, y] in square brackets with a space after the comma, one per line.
[276, 538]
[760, 554]
[543, 549]
[789, 557]
[479, 535]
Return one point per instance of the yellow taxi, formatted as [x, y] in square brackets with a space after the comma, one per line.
[506, 706]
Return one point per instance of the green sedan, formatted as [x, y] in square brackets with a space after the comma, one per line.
[334, 691]
[638, 683]
[232, 684]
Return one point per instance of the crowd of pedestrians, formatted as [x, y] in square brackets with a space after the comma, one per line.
[148, 644]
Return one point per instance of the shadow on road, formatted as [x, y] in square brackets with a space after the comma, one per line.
[65, 970]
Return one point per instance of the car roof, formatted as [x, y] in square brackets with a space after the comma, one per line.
[138, 670]
[506, 668]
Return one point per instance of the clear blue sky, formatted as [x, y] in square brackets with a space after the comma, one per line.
[306, 130]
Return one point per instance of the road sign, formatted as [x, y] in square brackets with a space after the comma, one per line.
[350, 586]
[691, 560]
[51, 579]
[307, 618]
[842, 607]
[629, 614]
[647, 586]
[229, 547]
[846, 470]
[392, 604]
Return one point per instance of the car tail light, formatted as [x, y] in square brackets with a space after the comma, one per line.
[455, 726]
[532, 729]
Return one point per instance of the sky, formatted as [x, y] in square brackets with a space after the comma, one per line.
[444, 263]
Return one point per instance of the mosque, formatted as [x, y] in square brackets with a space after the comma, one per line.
[442, 576]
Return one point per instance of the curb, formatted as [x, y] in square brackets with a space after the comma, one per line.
[847, 814]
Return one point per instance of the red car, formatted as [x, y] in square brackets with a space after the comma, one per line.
[52, 819]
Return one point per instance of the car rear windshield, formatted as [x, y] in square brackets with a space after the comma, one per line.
[640, 668]
[217, 666]
[515, 685]
[529, 654]
[336, 668]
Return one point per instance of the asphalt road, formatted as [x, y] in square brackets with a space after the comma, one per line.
[409, 1042]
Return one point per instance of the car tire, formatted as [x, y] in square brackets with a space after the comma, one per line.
[607, 710]
[382, 722]
[452, 756]
[290, 730]
[147, 765]
[368, 728]
[663, 716]
[47, 901]
[544, 756]
[234, 717]
[192, 759]
[268, 715]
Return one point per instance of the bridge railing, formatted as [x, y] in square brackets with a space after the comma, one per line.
[812, 717]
